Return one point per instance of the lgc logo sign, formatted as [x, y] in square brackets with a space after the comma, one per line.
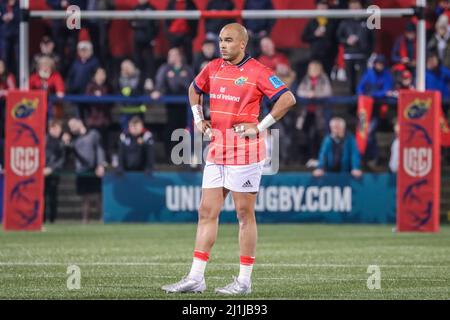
[24, 160]
[417, 162]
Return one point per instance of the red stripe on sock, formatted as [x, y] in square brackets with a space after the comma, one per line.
[247, 260]
[201, 255]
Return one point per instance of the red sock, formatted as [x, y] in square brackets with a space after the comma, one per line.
[247, 260]
[204, 256]
[245, 269]
[198, 265]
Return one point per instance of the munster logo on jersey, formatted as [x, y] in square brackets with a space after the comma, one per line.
[240, 81]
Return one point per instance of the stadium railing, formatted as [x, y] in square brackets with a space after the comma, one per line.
[169, 99]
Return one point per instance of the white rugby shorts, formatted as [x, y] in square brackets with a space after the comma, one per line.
[237, 178]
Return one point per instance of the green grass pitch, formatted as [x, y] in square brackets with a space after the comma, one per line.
[301, 261]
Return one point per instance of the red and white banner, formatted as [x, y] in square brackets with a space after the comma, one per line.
[418, 180]
[26, 113]
[364, 113]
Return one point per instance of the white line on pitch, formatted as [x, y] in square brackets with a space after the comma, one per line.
[268, 265]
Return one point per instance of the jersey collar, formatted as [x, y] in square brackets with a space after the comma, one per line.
[240, 64]
[244, 60]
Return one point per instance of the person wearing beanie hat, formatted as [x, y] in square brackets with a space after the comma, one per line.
[404, 49]
[377, 82]
[440, 41]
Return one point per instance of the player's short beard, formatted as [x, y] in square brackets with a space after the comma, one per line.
[229, 58]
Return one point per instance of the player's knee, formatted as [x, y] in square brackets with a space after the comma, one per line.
[245, 215]
[206, 213]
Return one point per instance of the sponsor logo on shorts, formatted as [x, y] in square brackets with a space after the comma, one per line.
[247, 184]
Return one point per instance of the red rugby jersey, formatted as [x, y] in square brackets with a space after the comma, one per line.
[235, 94]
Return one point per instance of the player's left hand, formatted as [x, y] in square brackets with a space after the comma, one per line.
[246, 130]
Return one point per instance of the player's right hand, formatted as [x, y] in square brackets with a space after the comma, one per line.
[205, 127]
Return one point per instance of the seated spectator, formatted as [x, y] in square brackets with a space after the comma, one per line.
[358, 42]
[181, 32]
[395, 149]
[404, 50]
[320, 34]
[442, 8]
[136, 148]
[377, 81]
[269, 56]
[314, 118]
[82, 68]
[257, 28]
[207, 54]
[440, 42]
[404, 82]
[99, 115]
[47, 47]
[130, 85]
[47, 78]
[55, 157]
[437, 76]
[173, 78]
[338, 152]
[89, 164]
[286, 74]
[81, 72]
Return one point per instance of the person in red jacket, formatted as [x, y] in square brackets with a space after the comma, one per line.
[48, 79]
[269, 56]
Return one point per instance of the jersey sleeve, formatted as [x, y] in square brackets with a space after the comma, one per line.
[201, 81]
[270, 85]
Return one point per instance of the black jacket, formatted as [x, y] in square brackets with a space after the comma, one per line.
[321, 47]
[257, 25]
[55, 154]
[136, 153]
[144, 30]
[215, 25]
[364, 46]
[10, 29]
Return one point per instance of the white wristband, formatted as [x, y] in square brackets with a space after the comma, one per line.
[197, 112]
[266, 123]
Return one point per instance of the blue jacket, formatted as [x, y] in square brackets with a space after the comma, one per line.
[395, 54]
[375, 84]
[350, 155]
[257, 25]
[10, 29]
[438, 80]
[80, 74]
